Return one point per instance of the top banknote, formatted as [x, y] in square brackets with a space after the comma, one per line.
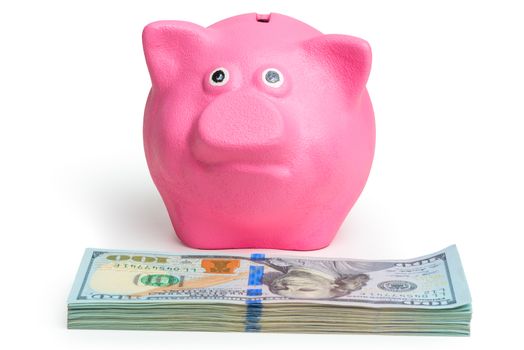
[434, 281]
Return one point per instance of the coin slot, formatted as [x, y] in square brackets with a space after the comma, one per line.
[263, 18]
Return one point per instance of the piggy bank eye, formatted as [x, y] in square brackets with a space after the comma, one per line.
[219, 77]
[272, 77]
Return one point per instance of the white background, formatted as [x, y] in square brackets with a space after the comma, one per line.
[447, 85]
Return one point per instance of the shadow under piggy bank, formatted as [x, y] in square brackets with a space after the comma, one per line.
[258, 131]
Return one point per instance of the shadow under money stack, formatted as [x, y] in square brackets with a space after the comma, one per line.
[156, 291]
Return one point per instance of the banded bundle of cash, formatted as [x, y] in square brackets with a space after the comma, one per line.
[157, 291]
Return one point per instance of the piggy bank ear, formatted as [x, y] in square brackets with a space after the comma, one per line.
[346, 57]
[168, 45]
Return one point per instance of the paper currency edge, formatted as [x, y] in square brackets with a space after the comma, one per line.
[456, 271]
[81, 271]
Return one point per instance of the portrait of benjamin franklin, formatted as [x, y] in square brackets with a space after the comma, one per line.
[317, 279]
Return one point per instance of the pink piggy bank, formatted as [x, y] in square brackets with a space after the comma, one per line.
[258, 130]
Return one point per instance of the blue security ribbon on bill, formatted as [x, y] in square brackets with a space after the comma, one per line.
[254, 306]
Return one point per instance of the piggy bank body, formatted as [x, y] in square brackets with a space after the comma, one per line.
[258, 130]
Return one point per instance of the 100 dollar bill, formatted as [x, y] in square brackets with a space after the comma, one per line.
[434, 281]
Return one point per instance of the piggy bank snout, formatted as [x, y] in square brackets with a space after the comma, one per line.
[240, 127]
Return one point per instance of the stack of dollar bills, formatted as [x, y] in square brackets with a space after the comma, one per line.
[117, 289]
